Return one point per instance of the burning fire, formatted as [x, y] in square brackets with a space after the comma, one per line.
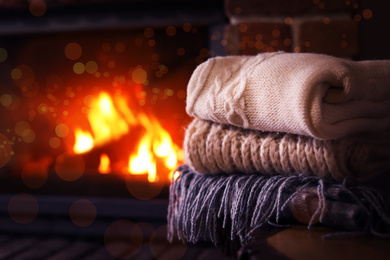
[112, 119]
[105, 164]
[84, 141]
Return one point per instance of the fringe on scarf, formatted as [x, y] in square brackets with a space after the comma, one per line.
[219, 207]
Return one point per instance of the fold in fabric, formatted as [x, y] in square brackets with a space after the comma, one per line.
[301, 93]
[228, 207]
[213, 148]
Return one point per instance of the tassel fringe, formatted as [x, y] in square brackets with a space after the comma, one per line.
[220, 207]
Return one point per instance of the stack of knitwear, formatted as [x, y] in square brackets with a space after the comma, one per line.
[282, 138]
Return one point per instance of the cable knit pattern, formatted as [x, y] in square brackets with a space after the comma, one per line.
[213, 148]
[301, 93]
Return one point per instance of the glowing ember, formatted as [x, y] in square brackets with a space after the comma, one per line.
[110, 120]
[105, 164]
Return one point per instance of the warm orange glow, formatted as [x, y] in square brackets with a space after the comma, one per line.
[110, 119]
[84, 142]
[105, 164]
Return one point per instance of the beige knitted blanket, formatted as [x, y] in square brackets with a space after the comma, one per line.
[301, 93]
[212, 148]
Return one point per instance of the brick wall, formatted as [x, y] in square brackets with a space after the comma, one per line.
[332, 27]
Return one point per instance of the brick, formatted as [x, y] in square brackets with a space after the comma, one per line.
[243, 8]
[336, 36]
[251, 38]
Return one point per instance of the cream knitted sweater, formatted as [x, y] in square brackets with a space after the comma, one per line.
[301, 93]
[213, 148]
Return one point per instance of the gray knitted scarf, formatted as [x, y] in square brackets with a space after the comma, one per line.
[227, 207]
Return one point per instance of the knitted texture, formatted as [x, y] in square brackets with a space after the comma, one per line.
[213, 148]
[220, 207]
[301, 93]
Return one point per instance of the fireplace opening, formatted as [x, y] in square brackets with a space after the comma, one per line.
[96, 108]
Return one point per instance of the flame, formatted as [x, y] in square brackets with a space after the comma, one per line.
[106, 123]
[110, 120]
[156, 143]
[140, 162]
[84, 141]
[105, 164]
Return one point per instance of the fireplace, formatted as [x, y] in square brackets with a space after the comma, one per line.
[97, 96]
[92, 102]
[82, 105]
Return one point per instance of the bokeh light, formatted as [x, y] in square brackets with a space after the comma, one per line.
[242, 27]
[37, 7]
[148, 32]
[288, 20]
[54, 142]
[187, 27]
[21, 127]
[326, 20]
[111, 64]
[28, 136]
[3, 54]
[357, 18]
[123, 239]
[139, 76]
[151, 43]
[10, 101]
[79, 68]
[367, 14]
[181, 51]
[16, 74]
[171, 31]
[82, 212]
[23, 208]
[69, 167]
[91, 67]
[62, 130]
[73, 51]
[43, 109]
[6, 100]
[5, 150]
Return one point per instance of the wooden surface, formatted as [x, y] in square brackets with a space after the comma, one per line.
[300, 243]
[21, 247]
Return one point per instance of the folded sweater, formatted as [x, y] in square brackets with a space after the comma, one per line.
[302, 93]
[213, 148]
